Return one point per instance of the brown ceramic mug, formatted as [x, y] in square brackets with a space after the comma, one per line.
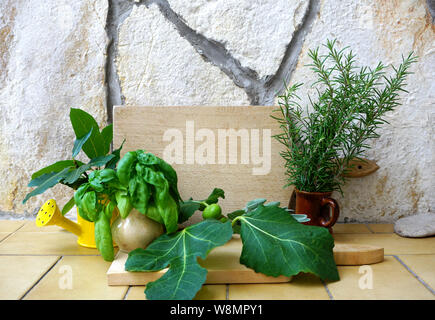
[322, 210]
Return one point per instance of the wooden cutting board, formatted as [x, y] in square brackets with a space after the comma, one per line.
[357, 254]
[223, 265]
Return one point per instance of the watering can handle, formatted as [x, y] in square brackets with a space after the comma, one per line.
[335, 212]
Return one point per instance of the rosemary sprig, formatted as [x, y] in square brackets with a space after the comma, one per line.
[350, 107]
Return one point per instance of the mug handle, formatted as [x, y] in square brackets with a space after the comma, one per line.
[335, 212]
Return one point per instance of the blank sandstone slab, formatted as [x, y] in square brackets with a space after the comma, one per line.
[77, 278]
[18, 274]
[255, 169]
[391, 281]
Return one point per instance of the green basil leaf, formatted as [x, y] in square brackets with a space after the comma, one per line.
[103, 234]
[155, 178]
[179, 251]
[96, 184]
[103, 175]
[68, 206]
[89, 205]
[132, 186]
[148, 159]
[274, 243]
[108, 210]
[165, 204]
[78, 197]
[123, 203]
[99, 180]
[107, 175]
[126, 166]
[167, 208]
[78, 144]
[141, 195]
[107, 134]
[153, 213]
[44, 182]
[170, 175]
[56, 167]
[82, 122]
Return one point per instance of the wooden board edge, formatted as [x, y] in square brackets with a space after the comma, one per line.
[242, 277]
[364, 256]
[215, 277]
[115, 277]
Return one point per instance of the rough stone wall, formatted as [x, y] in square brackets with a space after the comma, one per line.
[95, 54]
[52, 57]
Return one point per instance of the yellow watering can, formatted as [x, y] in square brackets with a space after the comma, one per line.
[50, 214]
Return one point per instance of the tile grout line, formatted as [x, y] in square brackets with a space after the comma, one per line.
[327, 290]
[415, 275]
[126, 293]
[42, 277]
[12, 233]
[7, 237]
[20, 227]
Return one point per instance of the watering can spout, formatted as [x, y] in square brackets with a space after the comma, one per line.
[49, 215]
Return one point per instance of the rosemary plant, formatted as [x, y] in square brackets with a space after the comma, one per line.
[350, 106]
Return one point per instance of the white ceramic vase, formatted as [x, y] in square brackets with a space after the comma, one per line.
[135, 231]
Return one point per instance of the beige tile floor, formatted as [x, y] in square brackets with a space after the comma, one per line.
[47, 263]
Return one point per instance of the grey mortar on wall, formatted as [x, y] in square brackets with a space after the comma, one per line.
[431, 7]
[260, 91]
[117, 12]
